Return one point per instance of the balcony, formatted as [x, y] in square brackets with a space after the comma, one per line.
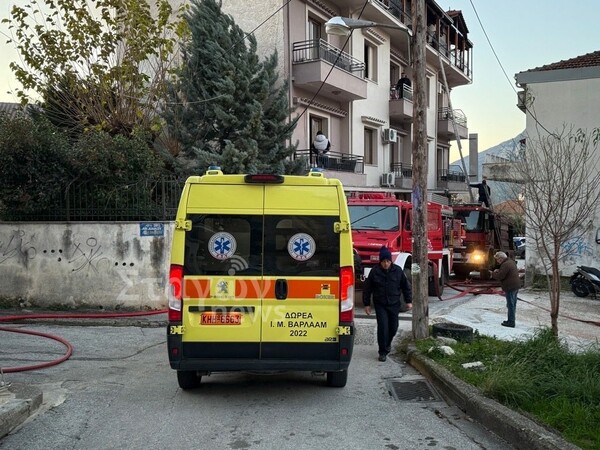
[445, 126]
[312, 67]
[336, 161]
[453, 180]
[401, 106]
[403, 172]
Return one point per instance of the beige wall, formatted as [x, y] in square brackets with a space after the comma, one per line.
[75, 265]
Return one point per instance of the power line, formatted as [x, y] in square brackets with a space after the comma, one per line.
[503, 70]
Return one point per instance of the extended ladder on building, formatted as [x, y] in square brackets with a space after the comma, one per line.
[462, 159]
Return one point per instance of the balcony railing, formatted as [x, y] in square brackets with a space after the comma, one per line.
[402, 170]
[341, 162]
[318, 49]
[407, 93]
[446, 113]
[451, 175]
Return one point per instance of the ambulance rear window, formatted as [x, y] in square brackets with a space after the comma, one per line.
[257, 245]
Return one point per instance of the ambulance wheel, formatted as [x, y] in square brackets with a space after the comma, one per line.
[188, 379]
[337, 379]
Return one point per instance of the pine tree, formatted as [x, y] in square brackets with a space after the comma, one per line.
[227, 107]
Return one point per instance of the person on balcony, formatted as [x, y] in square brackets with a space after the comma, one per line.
[319, 148]
[403, 81]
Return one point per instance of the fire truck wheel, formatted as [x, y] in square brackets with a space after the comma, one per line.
[453, 330]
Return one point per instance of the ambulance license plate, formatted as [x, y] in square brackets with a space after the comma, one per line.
[214, 318]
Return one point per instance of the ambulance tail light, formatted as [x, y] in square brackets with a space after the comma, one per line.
[346, 294]
[175, 294]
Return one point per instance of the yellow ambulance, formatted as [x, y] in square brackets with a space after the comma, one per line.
[261, 277]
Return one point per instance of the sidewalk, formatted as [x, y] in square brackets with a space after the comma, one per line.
[486, 312]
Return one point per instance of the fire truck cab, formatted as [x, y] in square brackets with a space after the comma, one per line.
[381, 220]
[480, 233]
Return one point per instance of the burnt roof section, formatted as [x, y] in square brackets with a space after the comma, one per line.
[588, 60]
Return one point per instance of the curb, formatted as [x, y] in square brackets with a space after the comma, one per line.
[22, 402]
[516, 429]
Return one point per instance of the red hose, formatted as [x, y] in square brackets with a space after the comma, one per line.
[69, 351]
[66, 356]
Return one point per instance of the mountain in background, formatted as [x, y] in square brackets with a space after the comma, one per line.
[499, 189]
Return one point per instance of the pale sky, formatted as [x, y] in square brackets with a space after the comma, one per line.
[524, 34]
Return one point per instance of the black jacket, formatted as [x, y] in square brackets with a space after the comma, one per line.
[483, 190]
[386, 286]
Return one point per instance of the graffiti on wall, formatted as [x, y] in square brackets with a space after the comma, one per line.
[17, 247]
[576, 248]
[81, 254]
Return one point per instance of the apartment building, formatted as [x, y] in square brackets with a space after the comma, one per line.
[346, 87]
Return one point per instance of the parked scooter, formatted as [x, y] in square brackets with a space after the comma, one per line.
[585, 281]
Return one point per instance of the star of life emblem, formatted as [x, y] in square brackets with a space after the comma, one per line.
[222, 246]
[301, 247]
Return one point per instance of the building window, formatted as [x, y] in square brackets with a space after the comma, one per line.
[428, 91]
[314, 29]
[370, 61]
[370, 146]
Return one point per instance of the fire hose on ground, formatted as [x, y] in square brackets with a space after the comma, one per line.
[69, 347]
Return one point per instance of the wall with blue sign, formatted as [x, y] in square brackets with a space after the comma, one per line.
[74, 265]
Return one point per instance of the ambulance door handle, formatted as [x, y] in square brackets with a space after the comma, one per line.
[281, 289]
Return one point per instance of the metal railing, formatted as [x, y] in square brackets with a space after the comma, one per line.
[318, 49]
[446, 113]
[402, 170]
[146, 199]
[407, 93]
[451, 175]
[341, 162]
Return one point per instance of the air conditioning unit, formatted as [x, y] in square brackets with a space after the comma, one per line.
[388, 179]
[390, 135]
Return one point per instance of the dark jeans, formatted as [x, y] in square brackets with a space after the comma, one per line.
[387, 326]
[511, 304]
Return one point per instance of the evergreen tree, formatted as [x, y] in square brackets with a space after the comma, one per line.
[226, 108]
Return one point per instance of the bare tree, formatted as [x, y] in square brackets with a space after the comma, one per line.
[561, 185]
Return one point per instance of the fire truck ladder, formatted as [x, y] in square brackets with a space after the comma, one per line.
[462, 159]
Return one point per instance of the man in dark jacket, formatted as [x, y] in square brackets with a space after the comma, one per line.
[386, 283]
[508, 275]
[483, 190]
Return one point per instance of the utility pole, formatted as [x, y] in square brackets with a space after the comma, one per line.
[420, 311]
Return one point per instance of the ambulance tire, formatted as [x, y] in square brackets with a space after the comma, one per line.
[337, 379]
[188, 379]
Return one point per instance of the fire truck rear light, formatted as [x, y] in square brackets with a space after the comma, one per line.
[344, 352]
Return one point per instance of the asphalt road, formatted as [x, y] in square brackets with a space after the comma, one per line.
[117, 391]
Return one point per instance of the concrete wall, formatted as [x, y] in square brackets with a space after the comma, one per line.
[75, 265]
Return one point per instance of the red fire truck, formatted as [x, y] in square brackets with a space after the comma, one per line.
[381, 220]
[479, 233]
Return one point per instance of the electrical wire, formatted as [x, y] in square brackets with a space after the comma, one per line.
[531, 113]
